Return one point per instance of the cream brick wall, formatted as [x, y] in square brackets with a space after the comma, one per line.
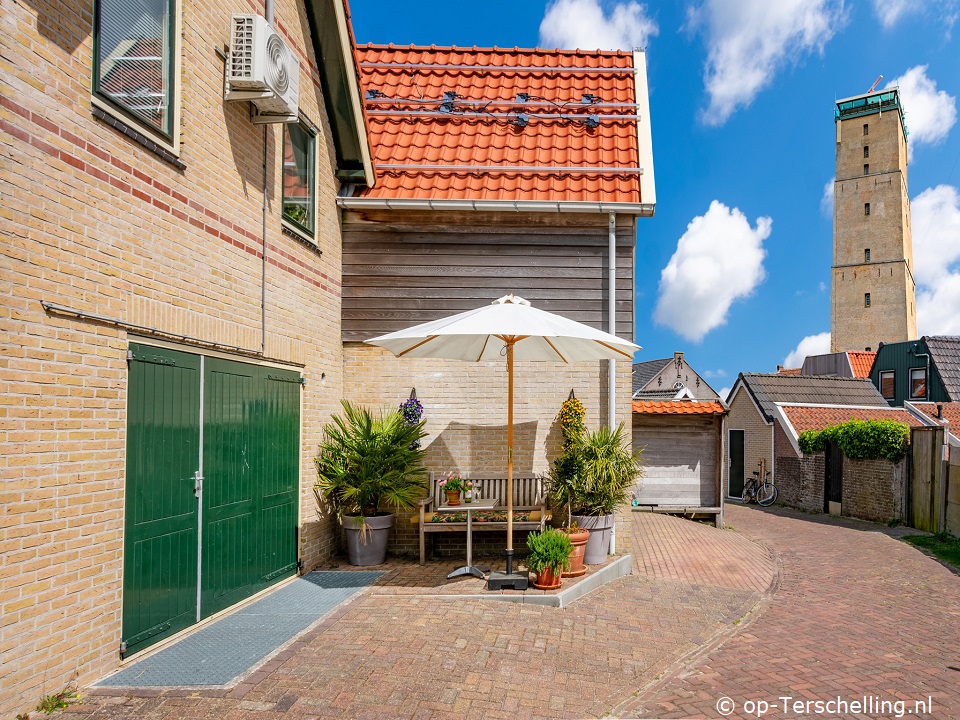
[465, 406]
[93, 221]
[757, 437]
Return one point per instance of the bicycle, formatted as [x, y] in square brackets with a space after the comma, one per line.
[764, 493]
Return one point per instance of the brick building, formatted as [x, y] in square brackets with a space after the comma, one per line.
[175, 325]
[873, 289]
[153, 272]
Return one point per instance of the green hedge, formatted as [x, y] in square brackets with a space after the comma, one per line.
[860, 439]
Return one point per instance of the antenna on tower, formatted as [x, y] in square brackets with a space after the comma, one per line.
[875, 83]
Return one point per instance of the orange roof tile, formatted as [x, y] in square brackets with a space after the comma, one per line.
[788, 371]
[809, 417]
[861, 363]
[474, 148]
[951, 413]
[678, 407]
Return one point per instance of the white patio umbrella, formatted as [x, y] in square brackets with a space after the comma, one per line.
[509, 326]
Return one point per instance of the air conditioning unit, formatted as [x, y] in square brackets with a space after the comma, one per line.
[261, 69]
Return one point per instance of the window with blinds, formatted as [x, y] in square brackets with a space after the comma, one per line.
[299, 186]
[133, 45]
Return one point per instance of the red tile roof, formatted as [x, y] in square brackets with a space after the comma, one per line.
[815, 417]
[788, 371]
[951, 413]
[471, 146]
[678, 407]
[861, 363]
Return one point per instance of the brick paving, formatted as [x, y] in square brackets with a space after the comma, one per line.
[401, 650]
[857, 613]
[784, 604]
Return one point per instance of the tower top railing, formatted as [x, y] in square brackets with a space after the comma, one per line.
[870, 104]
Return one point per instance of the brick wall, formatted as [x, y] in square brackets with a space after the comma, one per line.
[93, 221]
[465, 406]
[874, 489]
[800, 482]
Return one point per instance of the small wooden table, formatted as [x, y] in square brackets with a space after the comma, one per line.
[468, 507]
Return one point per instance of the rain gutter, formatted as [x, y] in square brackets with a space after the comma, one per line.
[364, 203]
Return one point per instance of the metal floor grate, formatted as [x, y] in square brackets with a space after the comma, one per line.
[218, 653]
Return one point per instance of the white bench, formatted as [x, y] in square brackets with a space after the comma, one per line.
[529, 500]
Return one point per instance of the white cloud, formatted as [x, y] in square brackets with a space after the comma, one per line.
[723, 392]
[826, 202]
[930, 113]
[810, 345]
[583, 24]
[748, 41]
[890, 11]
[935, 218]
[822, 287]
[719, 259]
[721, 373]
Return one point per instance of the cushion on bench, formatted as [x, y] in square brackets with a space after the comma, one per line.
[483, 516]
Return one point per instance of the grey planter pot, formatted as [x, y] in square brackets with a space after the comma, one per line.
[367, 546]
[598, 546]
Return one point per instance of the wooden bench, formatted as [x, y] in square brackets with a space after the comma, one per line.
[528, 499]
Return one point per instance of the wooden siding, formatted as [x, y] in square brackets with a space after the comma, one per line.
[898, 358]
[401, 269]
[679, 459]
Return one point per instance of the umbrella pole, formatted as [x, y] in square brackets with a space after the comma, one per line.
[509, 457]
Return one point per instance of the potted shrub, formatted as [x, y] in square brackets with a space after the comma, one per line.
[366, 467]
[605, 468]
[549, 556]
[563, 484]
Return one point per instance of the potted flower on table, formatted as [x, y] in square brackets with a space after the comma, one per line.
[453, 483]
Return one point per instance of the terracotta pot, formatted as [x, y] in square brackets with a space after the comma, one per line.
[579, 540]
[453, 497]
[547, 580]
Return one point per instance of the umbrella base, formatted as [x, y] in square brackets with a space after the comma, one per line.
[512, 581]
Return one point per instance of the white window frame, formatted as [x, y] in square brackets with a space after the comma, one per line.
[170, 144]
[926, 379]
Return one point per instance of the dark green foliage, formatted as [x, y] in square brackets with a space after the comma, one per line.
[368, 463]
[860, 439]
[549, 549]
[594, 475]
[942, 545]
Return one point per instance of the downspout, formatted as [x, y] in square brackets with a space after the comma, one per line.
[612, 319]
[268, 14]
[612, 364]
[263, 249]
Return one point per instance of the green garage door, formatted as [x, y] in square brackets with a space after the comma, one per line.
[212, 487]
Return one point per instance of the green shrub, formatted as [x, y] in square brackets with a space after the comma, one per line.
[860, 439]
[549, 549]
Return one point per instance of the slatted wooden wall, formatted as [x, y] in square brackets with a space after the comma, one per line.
[401, 269]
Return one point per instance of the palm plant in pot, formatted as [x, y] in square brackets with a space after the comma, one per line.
[605, 470]
[549, 556]
[367, 466]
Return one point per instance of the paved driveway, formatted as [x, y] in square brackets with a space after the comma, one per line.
[780, 605]
[858, 614]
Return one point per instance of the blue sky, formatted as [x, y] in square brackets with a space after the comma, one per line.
[734, 269]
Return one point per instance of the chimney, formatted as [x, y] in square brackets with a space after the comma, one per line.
[939, 411]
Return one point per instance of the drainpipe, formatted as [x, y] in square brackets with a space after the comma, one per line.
[268, 11]
[612, 364]
[612, 319]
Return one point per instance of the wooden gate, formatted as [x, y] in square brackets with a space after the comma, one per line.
[926, 476]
